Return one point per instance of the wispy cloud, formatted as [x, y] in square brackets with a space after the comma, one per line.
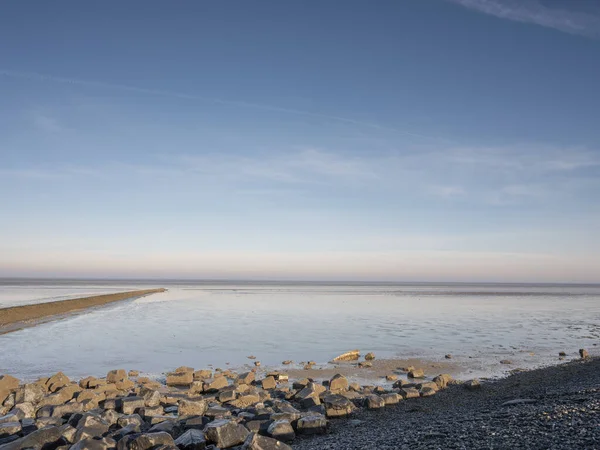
[46, 123]
[584, 23]
[240, 104]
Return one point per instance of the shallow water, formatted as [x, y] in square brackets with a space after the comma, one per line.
[201, 324]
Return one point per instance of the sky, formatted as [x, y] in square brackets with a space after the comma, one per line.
[414, 140]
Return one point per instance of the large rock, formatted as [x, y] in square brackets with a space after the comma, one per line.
[61, 396]
[213, 385]
[312, 424]
[30, 393]
[130, 405]
[352, 355]
[8, 384]
[370, 356]
[255, 441]
[245, 401]
[373, 401]
[202, 374]
[584, 353]
[442, 380]
[145, 441]
[114, 376]
[416, 373]
[94, 444]
[281, 430]
[47, 437]
[192, 407]
[245, 378]
[57, 381]
[391, 398]
[225, 433]
[337, 406]
[409, 392]
[269, 383]
[180, 378]
[9, 428]
[151, 398]
[24, 411]
[191, 440]
[472, 385]
[338, 383]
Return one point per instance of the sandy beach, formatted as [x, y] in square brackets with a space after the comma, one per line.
[18, 317]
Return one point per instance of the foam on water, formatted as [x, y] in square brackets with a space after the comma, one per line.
[202, 324]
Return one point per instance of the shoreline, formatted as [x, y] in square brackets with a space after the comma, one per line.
[14, 318]
[262, 407]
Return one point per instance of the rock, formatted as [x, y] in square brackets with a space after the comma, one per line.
[225, 433]
[370, 356]
[47, 437]
[30, 393]
[94, 444]
[312, 424]
[130, 405]
[226, 395]
[213, 385]
[57, 381]
[583, 353]
[202, 374]
[374, 402]
[257, 363]
[9, 428]
[145, 441]
[8, 384]
[10, 417]
[151, 398]
[472, 385]
[337, 406]
[255, 441]
[281, 430]
[506, 361]
[442, 380]
[191, 440]
[132, 419]
[192, 407]
[391, 377]
[269, 383]
[180, 378]
[338, 383]
[563, 354]
[24, 411]
[410, 392]
[391, 398]
[114, 376]
[352, 355]
[416, 373]
[244, 378]
[448, 356]
[287, 362]
[245, 401]
[60, 396]
[427, 391]
[365, 364]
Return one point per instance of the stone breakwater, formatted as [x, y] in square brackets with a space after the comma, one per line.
[17, 317]
[190, 409]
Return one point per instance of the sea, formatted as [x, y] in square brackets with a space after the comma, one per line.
[207, 324]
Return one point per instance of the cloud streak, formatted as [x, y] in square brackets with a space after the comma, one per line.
[241, 104]
[534, 11]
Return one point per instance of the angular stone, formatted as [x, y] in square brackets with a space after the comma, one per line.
[180, 379]
[227, 395]
[337, 406]
[245, 378]
[282, 431]
[10, 417]
[255, 441]
[370, 356]
[269, 383]
[61, 396]
[130, 405]
[145, 441]
[427, 391]
[131, 419]
[114, 376]
[583, 353]
[30, 393]
[472, 385]
[416, 373]
[352, 355]
[94, 444]
[24, 411]
[213, 385]
[151, 398]
[373, 401]
[8, 384]
[47, 437]
[202, 374]
[312, 424]
[57, 381]
[338, 383]
[225, 433]
[409, 392]
[391, 399]
[192, 407]
[442, 380]
[191, 440]
[9, 428]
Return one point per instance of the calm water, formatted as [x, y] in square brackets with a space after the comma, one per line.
[200, 324]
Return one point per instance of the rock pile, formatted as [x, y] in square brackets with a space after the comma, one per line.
[193, 409]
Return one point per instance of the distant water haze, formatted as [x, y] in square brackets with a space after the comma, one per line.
[198, 324]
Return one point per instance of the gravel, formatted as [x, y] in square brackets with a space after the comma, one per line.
[559, 408]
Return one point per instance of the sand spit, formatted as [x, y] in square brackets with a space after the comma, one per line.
[18, 317]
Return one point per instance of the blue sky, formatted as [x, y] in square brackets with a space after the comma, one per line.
[414, 140]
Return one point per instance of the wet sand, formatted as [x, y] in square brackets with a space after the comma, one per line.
[18, 317]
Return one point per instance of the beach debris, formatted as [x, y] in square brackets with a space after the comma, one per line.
[370, 356]
[448, 356]
[352, 355]
[583, 353]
